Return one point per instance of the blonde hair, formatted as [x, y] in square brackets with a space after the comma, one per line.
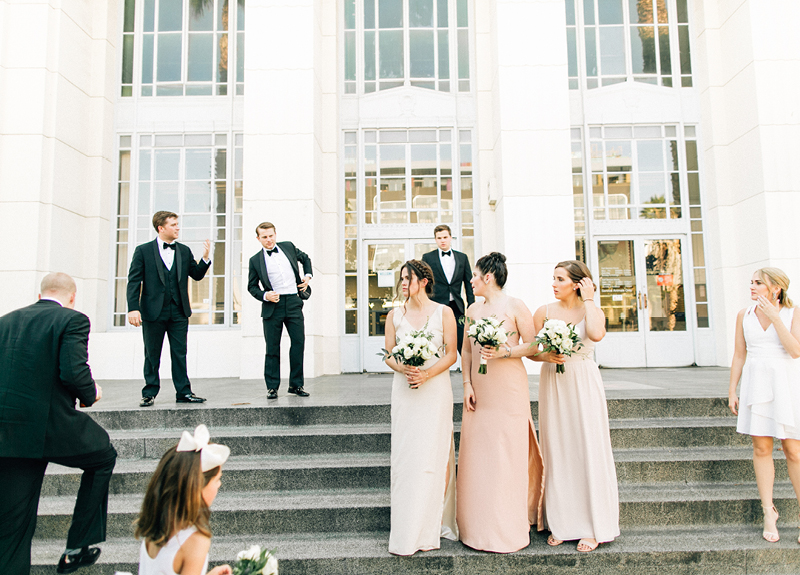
[777, 277]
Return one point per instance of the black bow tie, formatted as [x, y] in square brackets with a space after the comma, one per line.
[272, 251]
[168, 246]
[447, 253]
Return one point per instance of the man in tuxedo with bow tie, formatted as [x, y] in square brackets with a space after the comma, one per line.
[451, 270]
[274, 280]
[43, 373]
[158, 301]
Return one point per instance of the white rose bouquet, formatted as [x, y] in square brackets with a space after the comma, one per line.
[255, 561]
[415, 348]
[487, 331]
[558, 336]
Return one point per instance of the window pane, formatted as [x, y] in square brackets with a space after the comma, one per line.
[588, 12]
[463, 54]
[694, 189]
[201, 50]
[618, 157]
[391, 53]
[651, 155]
[691, 155]
[421, 54]
[683, 12]
[444, 55]
[127, 59]
[652, 188]
[167, 162]
[393, 160]
[369, 55]
[198, 164]
[222, 64]
[201, 16]
[612, 51]
[610, 11]
[591, 52]
[663, 47]
[170, 15]
[240, 56]
[197, 197]
[169, 57]
[166, 196]
[570, 7]
[441, 16]
[222, 15]
[683, 41]
[350, 56]
[420, 13]
[462, 18]
[350, 15]
[698, 257]
[423, 160]
[643, 50]
[147, 59]
[390, 13]
[572, 51]
[149, 15]
[369, 14]
[641, 11]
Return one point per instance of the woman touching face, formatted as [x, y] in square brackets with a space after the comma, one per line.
[759, 287]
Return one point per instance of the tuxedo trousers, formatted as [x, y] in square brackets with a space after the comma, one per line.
[287, 312]
[459, 323]
[175, 325]
[21, 484]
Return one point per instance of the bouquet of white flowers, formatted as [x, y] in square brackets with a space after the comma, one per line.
[414, 349]
[558, 336]
[255, 561]
[487, 331]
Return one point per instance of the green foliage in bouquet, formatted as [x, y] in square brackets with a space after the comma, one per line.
[255, 561]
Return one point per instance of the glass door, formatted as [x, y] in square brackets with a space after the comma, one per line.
[641, 284]
[381, 276]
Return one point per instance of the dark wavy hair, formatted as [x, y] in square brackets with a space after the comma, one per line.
[495, 264]
[174, 498]
[419, 270]
[576, 270]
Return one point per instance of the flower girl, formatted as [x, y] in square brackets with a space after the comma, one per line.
[173, 523]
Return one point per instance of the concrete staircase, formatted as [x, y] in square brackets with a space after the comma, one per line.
[314, 482]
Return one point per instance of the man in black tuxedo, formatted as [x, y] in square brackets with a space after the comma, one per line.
[158, 300]
[43, 371]
[274, 280]
[451, 270]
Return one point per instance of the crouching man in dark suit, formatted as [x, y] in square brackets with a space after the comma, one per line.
[451, 270]
[274, 280]
[43, 371]
[158, 300]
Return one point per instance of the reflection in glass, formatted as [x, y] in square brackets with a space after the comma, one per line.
[612, 50]
[383, 273]
[618, 285]
[391, 53]
[665, 293]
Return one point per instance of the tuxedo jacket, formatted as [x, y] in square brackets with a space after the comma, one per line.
[258, 280]
[43, 371]
[461, 275]
[146, 289]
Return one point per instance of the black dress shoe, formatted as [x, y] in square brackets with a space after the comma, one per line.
[71, 563]
[147, 402]
[190, 398]
[299, 391]
[272, 394]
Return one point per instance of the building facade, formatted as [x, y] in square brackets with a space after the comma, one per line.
[655, 140]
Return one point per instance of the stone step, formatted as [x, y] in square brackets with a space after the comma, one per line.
[312, 472]
[188, 416]
[376, 437]
[367, 509]
[684, 550]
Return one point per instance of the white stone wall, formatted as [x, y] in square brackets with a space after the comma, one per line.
[58, 77]
[747, 69]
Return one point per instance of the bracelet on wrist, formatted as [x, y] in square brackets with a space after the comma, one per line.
[466, 382]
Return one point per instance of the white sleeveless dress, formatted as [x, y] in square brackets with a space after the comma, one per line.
[423, 452]
[162, 564]
[769, 399]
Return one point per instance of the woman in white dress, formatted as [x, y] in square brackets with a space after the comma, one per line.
[765, 360]
[581, 499]
[423, 452]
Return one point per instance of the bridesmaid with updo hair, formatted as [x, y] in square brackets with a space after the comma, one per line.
[500, 471]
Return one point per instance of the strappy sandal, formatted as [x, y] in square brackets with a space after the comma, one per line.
[552, 541]
[585, 547]
[770, 536]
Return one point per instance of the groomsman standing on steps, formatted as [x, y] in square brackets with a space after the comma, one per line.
[451, 270]
[274, 280]
[158, 300]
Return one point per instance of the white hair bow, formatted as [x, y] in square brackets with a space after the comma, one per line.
[211, 456]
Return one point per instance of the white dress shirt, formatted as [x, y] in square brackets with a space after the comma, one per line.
[52, 299]
[167, 255]
[449, 266]
[280, 272]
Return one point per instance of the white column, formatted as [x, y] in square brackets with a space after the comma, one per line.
[58, 71]
[525, 143]
[286, 137]
[747, 69]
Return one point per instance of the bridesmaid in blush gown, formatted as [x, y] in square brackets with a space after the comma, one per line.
[500, 470]
[423, 452]
[581, 499]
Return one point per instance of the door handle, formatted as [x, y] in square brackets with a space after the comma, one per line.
[645, 300]
[639, 299]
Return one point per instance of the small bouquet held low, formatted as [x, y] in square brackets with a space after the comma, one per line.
[414, 348]
[560, 337]
[256, 561]
[487, 331]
